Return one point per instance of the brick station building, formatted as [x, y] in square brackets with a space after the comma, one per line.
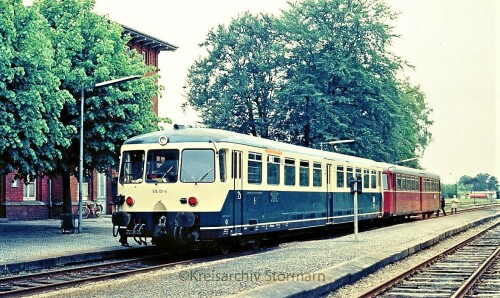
[42, 198]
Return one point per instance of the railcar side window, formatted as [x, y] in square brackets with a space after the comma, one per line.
[289, 171]
[340, 176]
[317, 179]
[358, 174]
[254, 168]
[162, 166]
[366, 178]
[222, 165]
[304, 173]
[384, 181]
[373, 177]
[198, 165]
[349, 175]
[398, 182]
[273, 170]
[132, 167]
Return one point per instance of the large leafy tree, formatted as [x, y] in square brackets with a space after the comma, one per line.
[90, 49]
[32, 136]
[345, 78]
[234, 86]
[333, 77]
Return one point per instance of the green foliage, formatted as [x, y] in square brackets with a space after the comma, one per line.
[234, 86]
[448, 190]
[90, 49]
[322, 71]
[30, 99]
[480, 182]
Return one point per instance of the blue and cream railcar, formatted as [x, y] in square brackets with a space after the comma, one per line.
[195, 185]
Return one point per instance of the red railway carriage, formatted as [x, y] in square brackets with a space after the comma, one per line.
[409, 191]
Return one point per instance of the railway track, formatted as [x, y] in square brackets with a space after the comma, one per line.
[470, 268]
[48, 280]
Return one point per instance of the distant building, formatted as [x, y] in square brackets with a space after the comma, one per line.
[42, 197]
[483, 195]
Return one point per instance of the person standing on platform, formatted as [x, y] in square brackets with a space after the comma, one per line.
[454, 204]
[442, 204]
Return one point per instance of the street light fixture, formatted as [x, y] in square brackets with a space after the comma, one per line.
[80, 168]
[405, 160]
[335, 142]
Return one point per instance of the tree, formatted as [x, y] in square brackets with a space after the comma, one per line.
[234, 85]
[30, 99]
[343, 80]
[320, 72]
[90, 49]
[480, 182]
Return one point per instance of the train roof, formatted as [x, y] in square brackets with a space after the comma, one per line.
[406, 170]
[209, 135]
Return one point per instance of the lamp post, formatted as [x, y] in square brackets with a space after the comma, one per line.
[405, 160]
[80, 167]
[335, 142]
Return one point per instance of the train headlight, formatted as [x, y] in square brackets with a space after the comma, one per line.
[130, 201]
[192, 201]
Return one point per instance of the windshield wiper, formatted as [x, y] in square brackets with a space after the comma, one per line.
[203, 177]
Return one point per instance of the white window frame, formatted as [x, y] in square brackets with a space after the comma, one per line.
[29, 190]
[101, 186]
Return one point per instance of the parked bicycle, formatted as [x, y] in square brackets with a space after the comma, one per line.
[91, 207]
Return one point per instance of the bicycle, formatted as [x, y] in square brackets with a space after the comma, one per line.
[91, 207]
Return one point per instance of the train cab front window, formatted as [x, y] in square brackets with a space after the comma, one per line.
[198, 165]
[162, 166]
[132, 167]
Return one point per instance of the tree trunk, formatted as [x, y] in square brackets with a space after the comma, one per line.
[307, 126]
[66, 192]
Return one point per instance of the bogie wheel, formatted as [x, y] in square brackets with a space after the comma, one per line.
[223, 246]
[255, 244]
[85, 211]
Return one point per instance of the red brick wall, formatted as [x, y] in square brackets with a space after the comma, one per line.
[151, 59]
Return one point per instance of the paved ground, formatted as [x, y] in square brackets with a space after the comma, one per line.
[25, 241]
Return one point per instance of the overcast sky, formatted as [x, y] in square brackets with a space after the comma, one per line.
[451, 43]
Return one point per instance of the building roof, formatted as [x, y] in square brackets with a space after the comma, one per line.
[148, 40]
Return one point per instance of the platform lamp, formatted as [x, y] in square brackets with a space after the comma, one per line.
[80, 168]
[335, 142]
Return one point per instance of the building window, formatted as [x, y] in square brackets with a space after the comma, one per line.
[29, 190]
[14, 183]
[85, 189]
[145, 57]
[101, 186]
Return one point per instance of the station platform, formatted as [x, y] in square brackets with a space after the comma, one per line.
[28, 245]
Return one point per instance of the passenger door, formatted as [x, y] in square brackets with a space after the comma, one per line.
[237, 176]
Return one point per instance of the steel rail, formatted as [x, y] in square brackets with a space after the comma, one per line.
[393, 281]
[34, 283]
[471, 281]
